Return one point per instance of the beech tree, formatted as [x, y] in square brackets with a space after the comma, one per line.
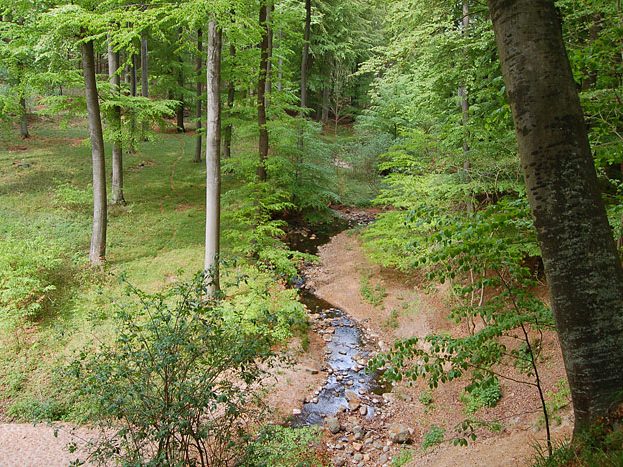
[213, 161]
[97, 252]
[582, 266]
[117, 150]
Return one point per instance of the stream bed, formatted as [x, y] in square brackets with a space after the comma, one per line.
[347, 348]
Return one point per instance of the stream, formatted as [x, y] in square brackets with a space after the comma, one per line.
[346, 352]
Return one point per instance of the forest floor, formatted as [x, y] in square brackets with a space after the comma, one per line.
[406, 311]
[44, 188]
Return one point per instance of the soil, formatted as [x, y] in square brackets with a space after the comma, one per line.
[407, 311]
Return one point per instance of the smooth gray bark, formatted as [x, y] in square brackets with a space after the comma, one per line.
[213, 160]
[97, 252]
[199, 92]
[581, 262]
[117, 149]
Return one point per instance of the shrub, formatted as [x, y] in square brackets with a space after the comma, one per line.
[26, 277]
[485, 393]
[178, 386]
[278, 446]
[426, 398]
[403, 458]
[435, 435]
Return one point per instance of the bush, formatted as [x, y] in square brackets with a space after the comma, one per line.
[278, 446]
[179, 384]
[486, 393]
[434, 436]
[27, 268]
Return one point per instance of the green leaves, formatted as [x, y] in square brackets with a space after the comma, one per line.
[179, 375]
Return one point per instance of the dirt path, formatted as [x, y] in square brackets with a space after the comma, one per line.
[406, 311]
[27, 445]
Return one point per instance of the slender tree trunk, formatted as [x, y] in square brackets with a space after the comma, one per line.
[98, 238]
[269, 64]
[581, 262]
[133, 80]
[144, 80]
[213, 162]
[198, 69]
[304, 70]
[280, 65]
[326, 94]
[23, 120]
[117, 151]
[144, 68]
[305, 56]
[261, 94]
[179, 113]
[463, 94]
[231, 95]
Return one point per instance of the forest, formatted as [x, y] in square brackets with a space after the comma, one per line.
[311, 233]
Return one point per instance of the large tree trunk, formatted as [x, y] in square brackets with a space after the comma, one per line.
[23, 119]
[213, 162]
[117, 151]
[198, 116]
[261, 93]
[581, 263]
[98, 238]
[231, 95]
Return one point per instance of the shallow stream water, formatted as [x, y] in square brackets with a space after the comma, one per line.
[346, 352]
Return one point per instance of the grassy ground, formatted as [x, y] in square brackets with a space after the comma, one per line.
[158, 237]
[45, 193]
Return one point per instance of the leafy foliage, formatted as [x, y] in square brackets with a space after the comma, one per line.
[435, 435]
[27, 268]
[285, 447]
[178, 384]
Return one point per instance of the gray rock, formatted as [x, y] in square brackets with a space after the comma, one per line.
[333, 425]
[399, 433]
